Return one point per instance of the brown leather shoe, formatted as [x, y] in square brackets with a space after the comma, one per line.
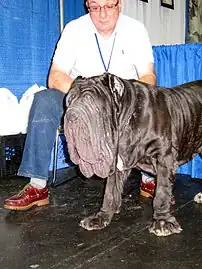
[27, 198]
[147, 190]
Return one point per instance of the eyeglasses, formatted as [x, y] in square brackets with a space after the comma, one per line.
[108, 7]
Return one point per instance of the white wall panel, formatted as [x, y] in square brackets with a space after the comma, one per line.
[165, 26]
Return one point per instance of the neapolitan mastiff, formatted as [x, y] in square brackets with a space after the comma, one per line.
[113, 125]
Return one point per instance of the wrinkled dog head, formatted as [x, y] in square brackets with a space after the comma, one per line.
[90, 123]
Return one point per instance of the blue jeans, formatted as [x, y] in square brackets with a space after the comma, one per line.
[45, 117]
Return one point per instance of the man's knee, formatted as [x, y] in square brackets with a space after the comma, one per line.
[50, 98]
[48, 102]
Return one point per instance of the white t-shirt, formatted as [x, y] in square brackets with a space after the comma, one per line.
[77, 51]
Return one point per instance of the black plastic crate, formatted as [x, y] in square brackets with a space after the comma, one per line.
[11, 149]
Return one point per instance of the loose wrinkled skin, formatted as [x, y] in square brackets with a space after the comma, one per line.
[130, 124]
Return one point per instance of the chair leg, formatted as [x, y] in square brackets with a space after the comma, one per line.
[55, 158]
[70, 172]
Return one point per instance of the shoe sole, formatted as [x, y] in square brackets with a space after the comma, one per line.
[36, 203]
[145, 194]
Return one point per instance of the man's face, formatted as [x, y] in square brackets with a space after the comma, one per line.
[105, 18]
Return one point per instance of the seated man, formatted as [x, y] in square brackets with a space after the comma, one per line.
[104, 40]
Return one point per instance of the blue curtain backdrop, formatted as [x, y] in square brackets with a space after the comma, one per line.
[29, 30]
[175, 65]
[73, 9]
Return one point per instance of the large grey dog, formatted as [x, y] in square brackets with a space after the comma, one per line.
[113, 125]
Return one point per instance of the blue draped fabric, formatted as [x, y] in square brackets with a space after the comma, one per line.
[73, 9]
[29, 30]
[177, 64]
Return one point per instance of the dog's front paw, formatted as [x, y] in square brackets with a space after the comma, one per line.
[198, 198]
[165, 227]
[96, 222]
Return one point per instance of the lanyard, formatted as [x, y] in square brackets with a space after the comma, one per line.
[98, 45]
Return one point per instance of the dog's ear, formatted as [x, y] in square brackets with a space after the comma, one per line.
[116, 85]
[74, 91]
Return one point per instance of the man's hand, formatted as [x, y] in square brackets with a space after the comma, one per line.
[150, 76]
[57, 79]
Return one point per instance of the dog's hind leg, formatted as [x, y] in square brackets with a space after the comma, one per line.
[111, 202]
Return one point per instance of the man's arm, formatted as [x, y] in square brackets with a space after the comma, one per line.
[57, 79]
[150, 76]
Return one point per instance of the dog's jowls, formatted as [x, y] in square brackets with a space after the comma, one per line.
[113, 125]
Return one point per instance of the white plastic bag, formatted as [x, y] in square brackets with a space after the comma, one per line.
[10, 114]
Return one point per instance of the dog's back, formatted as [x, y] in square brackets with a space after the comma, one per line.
[185, 107]
[156, 119]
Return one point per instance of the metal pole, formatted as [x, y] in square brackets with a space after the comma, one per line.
[55, 158]
[61, 7]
